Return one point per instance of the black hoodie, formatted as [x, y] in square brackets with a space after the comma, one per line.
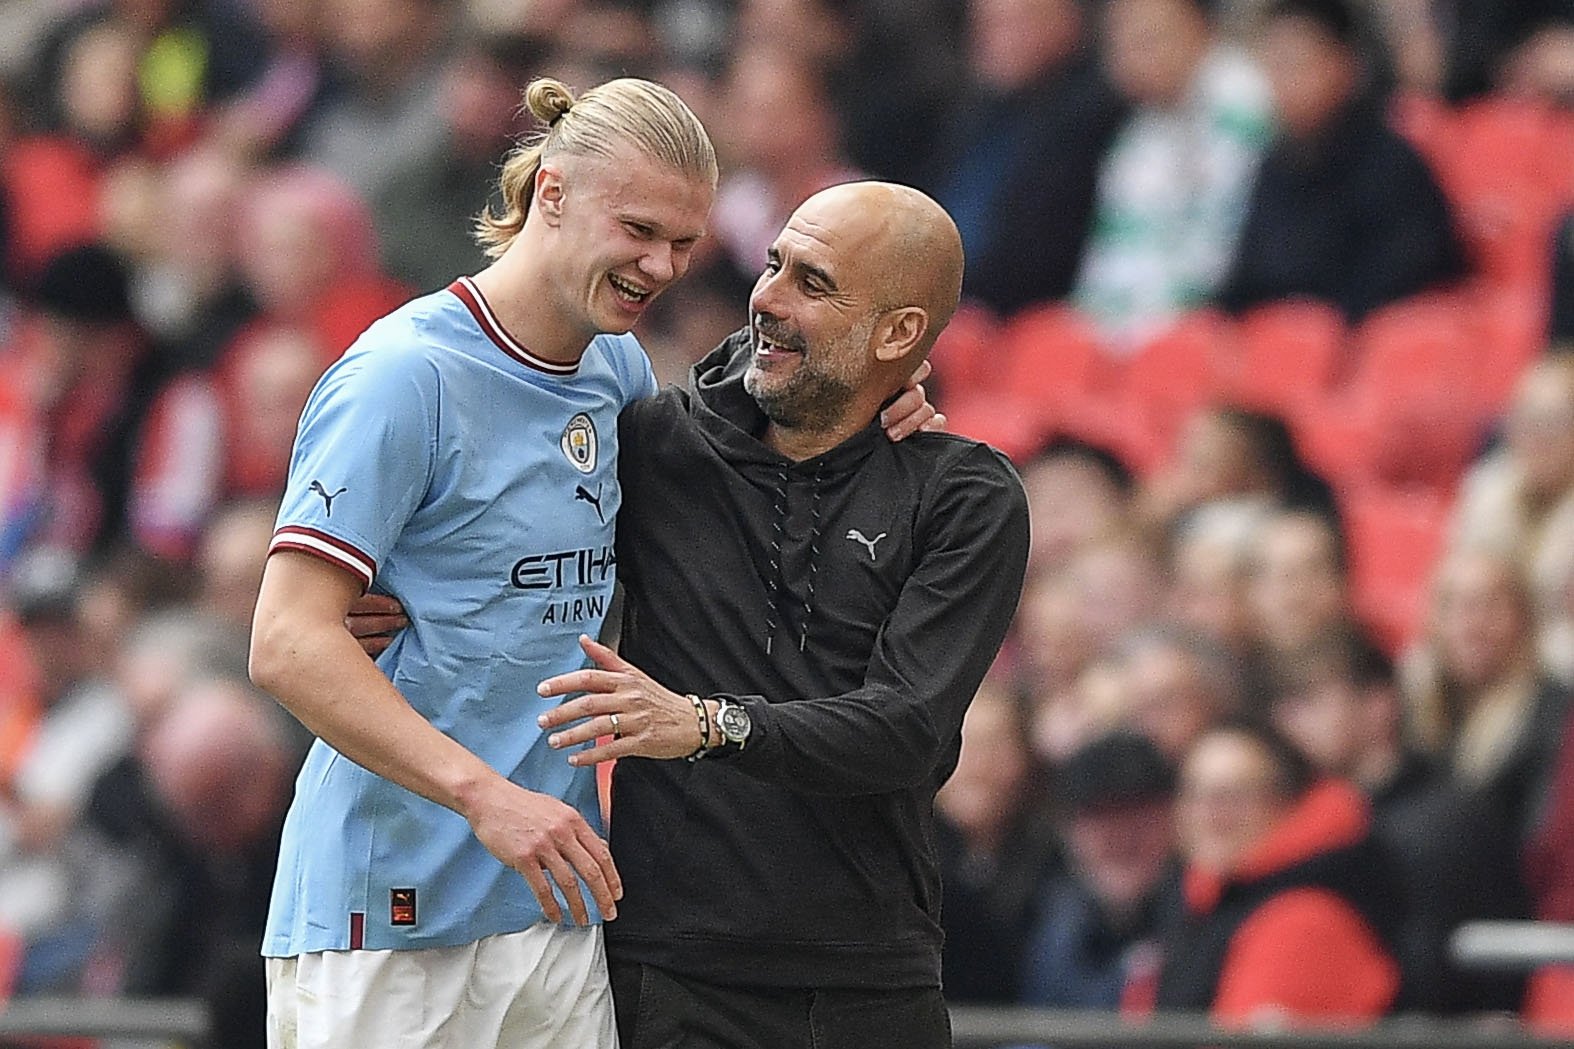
[852, 602]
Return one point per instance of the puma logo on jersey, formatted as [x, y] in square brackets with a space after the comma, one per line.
[858, 537]
[327, 497]
[582, 494]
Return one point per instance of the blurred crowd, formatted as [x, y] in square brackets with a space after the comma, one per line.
[1265, 296]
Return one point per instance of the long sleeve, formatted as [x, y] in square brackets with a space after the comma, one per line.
[929, 657]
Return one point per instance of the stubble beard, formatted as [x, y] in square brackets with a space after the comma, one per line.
[808, 400]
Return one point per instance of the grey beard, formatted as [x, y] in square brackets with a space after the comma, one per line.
[809, 400]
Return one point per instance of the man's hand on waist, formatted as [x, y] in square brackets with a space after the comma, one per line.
[643, 718]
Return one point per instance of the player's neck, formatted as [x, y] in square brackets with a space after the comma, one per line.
[529, 318]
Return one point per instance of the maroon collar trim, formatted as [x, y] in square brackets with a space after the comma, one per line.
[476, 303]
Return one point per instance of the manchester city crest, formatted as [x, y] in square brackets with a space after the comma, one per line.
[579, 443]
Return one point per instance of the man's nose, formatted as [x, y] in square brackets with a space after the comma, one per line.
[767, 292]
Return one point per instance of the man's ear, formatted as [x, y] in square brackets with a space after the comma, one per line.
[899, 333]
[548, 194]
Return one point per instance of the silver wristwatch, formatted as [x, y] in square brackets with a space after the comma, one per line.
[733, 723]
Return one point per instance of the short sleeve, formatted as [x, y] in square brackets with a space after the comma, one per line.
[636, 378]
[363, 460]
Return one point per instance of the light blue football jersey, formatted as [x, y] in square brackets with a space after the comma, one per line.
[440, 462]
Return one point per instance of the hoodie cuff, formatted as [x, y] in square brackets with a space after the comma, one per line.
[760, 736]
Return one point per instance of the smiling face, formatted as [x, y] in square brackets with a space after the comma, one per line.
[1480, 620]
[625, 230]
[1229, 799]
[856, 287]
[813, 315]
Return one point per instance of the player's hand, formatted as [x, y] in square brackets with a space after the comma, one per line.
[373, 621]
[652, 721]
[547, 842]
[912, 412]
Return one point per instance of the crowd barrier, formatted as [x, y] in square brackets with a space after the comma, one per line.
[976, 1027]
[180, 1022]
[1481, 945]
[1512, 946]
[175, 1020]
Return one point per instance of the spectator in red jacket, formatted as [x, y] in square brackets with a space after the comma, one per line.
[68, 402]
[53, 180]
[221, 435]
[1284, 891]
[1337, 701]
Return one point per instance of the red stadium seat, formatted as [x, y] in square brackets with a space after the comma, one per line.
[1052, 354]
[1508, 168]
[1110, 424]
[1178, 371]
[1395, 539]
[1510, 333]
[966, 350]
[1422, 342]
[1289, 354]
[1016, 426]
[1336, 437]
[1424, 442]
[1416, 370]
[1035, 377]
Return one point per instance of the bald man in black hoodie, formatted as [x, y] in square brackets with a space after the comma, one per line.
[810, 610]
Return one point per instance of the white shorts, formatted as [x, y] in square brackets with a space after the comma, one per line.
[543, 988]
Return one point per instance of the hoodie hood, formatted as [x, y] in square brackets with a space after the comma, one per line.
[726, 413]
[734, 426]
[1331, 816]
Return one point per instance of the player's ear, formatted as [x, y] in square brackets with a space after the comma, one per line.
[899, 333]
[548, 191]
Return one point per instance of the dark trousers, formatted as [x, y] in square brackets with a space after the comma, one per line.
[657, 1009]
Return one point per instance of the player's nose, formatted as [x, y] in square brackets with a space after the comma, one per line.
[659, 264]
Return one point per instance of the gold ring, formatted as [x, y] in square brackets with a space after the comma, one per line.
[617, 733]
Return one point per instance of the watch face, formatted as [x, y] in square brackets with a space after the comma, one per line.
[734, 723]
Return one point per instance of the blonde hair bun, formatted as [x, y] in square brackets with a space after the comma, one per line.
[548, 100]
[637, 113]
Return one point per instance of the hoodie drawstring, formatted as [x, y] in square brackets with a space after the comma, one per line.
[776, 579]
[814, 559]
[778, 534]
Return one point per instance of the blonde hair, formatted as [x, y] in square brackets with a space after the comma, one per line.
[1475, 729]
[627, 110]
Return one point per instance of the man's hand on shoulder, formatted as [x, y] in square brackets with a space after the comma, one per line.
[643, 718]
[911, 412]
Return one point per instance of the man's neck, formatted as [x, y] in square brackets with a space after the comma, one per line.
[799, 444]
[805, 442]
[520, 300]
